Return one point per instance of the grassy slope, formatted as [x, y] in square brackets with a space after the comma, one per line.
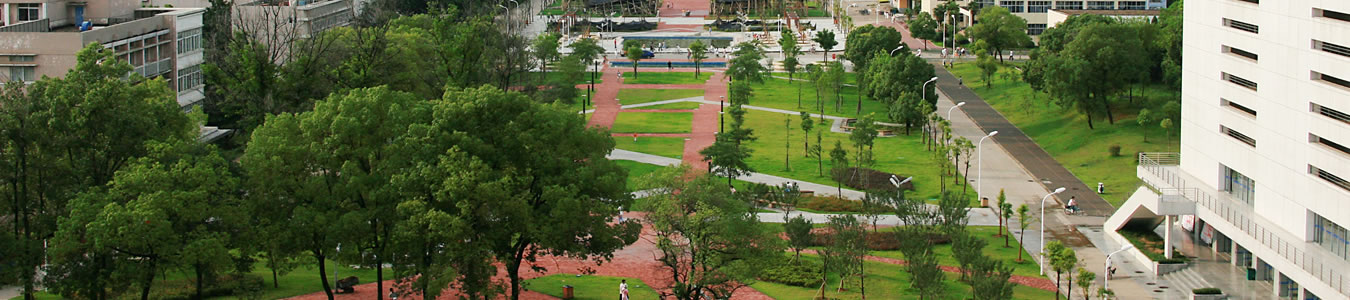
[901, 154]
[884, 281]
[587, 287]
[664, 77]
[637, 96]
[672, 147]
[1065, 135]
[994, 249]
[676, 105]
[661, 122]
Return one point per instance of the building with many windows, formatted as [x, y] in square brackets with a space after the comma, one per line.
[1264, 168]
[1040, 15]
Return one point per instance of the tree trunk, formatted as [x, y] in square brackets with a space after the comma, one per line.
[201, 275]
[799, 90]
[274, 278]
[323, 275]
[149, 279]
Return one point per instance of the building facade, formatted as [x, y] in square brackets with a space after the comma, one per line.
[1265, 142]
[1038, 13]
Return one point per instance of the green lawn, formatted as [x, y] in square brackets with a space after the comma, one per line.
[994, 249]
[664, 77]
[638, 96]
[302, 280]
[676, 105]
[584, 79]
[636, 170]
[884, 281]
[781, 94]
[587, 287]
[658, 122]
[672, 147]
[901, 154]
[1065, 135]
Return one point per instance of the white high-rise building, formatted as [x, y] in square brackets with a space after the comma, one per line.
[1265, 142]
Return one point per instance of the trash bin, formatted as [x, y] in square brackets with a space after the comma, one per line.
[1251, 273]
[984, 202]
[567, 292]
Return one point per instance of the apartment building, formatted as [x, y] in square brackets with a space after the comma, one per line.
[1265, 143]
[1038, 13]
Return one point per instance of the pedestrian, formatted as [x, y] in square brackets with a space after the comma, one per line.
[623, 289]
[1072, 206]
[634, 137]
[670, 65]
[393, 295]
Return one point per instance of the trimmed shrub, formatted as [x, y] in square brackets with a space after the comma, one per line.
[1115, 150]
[831, 204]
[1207, 291]
[801, 273]
[884, 241]
[867, 179]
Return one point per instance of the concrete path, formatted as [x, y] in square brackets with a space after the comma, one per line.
[1035, 160]
[7, 292]
[979, 216]
[819, 189]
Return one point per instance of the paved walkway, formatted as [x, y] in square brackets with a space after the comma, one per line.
[705, 123]
[1029, 154]
[819, 189]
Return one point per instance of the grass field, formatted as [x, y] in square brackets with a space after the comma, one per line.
[590, 287]
[884, 281]
[994, 249]
[636, 170]
[664, 77]
[901, 154]
[659, 122]
[302, 280]
[676, 105]
[781, 94]
[1065, 135]
[638, 96]
[672, 147]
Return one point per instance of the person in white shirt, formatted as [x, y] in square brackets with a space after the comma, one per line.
[1072, 206]
[623, 289]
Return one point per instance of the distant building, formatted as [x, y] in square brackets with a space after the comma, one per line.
[1056, 16]
[1038, 13]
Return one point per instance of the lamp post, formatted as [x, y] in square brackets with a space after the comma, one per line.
[923, 90]
[897, 49]
[979, 179]
[1047, 196]
[721, 109]
[897, 182]
[1106, 270]
[949, 110]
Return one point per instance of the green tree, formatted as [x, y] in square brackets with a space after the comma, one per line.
[989, 281]
[1166, 125]
[1003, 213]
[835, 74]
[968, 250]
[176, 207]
[1056, 39]
[987, 64]
[710, 243]
[839, 158]
[1169, 40]
[848, 245]
[633, 51]
[825, 38]
[790, 53]
[807, 124]
[726, 154]
[75, 133]
[924, 27]
[1024, 219]
[922, 263]
[787, 144]
[746, 66]
[698, 52]
[798, 230]
[563, 88]
[587, 50]
[545, 50]
[817, 151]
[1145, 119]
[865, 43]
[1062, 261]
[999, 30]
[1085, 279]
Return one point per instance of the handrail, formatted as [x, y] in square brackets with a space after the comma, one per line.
[1156, 163]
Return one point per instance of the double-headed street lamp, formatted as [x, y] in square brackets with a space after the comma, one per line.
[1047, 196]
[897, 182]
[979, 179]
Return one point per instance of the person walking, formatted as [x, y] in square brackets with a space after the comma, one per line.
[393, 295]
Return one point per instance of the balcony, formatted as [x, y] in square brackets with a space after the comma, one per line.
[1160, 172]
[152, 69]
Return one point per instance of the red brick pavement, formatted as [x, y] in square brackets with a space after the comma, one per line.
[657, 110]
[649, 134]
[705, 123]
[676, 8]
[606, 108]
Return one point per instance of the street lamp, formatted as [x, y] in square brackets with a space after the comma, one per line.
[897, 182]
[923, 90]
[949, 110]
[721, 109]
[1106, 271]
[902, 46]
[1047, 196]
[979, 179]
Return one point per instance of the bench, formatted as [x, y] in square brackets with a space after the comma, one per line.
[773, 204]
[347, 285]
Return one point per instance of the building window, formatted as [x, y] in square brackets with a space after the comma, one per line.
[1313, 138]
[30, 11]
[1329, 178]
[1068, 4]
[1035, 29]
[1240, 25]
[190, 78]
[1239, 186]
[1331, 48]
[1013, 6]
[1331, 113]
[1240, 52]
[1133, 5]
[22, 58]
[1099, 5]
[1237, 107]
[1239, 81]
[189, 40]
[1038, 6]
[1317, 12]
[1331, 236]
[1237, 135]
[1330, 80]
[22, 74]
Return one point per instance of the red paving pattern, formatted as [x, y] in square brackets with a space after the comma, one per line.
[676, 8]
[657, 110]
[705, 127]
[650, 134]
[1039, 283]
[678, 27]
